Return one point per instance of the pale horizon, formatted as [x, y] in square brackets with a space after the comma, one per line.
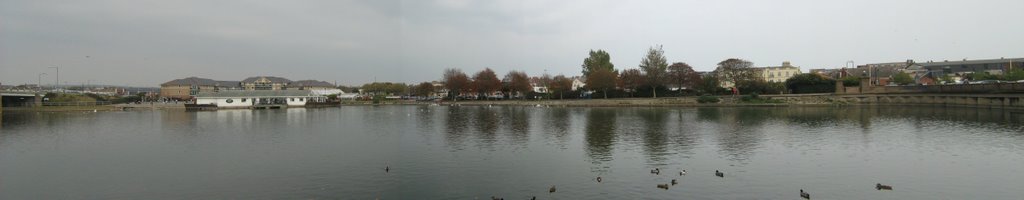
[132, 43]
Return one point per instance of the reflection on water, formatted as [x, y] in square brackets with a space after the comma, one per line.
[467, 152]
[655, 139]
[600, 134]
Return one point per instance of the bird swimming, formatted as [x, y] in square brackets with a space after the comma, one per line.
[682, 172]
[598, 179]
[663, 186]
[719, 174]
[674, 182]
[804, 194]
[879, 186]
[656, 171]
[552, 190]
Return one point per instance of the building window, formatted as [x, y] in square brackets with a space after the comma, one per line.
[229, 101]
[291, 99]
[302, 99]
[243, 100]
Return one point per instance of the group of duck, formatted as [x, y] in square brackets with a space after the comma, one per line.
[656, 171]
[803, 194]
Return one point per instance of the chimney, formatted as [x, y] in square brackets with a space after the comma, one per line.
[785, 63]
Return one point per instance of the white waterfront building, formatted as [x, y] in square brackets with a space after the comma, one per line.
[257, 98]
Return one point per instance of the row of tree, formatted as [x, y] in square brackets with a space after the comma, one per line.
[652, 75]
[485, 84]
[655, 74]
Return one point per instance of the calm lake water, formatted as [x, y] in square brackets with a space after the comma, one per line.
[468, 152]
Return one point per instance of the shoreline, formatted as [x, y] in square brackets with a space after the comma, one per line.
[812, 100]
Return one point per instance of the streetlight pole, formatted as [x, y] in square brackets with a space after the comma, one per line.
[39, 80]
[58, 75]
[852, 65]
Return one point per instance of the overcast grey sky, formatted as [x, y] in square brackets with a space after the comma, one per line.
[145, 43]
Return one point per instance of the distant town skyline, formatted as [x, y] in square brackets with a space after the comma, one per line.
[146, 43]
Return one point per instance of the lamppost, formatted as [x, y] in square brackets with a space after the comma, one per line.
[58, 75]
[39, 80]
[850, 64]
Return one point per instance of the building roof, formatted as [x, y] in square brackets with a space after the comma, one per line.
[273, 79]
[257, 93]
[229, 83]
[968, 65]
[312, 83]
[785, 65]
[884, 71]
[970, 62]
[190, 81]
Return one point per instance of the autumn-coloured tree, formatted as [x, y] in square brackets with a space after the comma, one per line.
[736, 71]
[424, 89]
[486, 82]
[455, 81]
[560, 84]
[632, 79]
[385, 88]
[683, 75]
[545, 81]
[603, 80]
[518, 82]
[654, 65]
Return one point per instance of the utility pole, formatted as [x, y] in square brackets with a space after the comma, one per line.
[39, 80]
[58, 75]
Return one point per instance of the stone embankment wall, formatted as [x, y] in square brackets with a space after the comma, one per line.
[680, 101]
[971, 100]
[992, 88]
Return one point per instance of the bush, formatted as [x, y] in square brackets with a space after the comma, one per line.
[378, 98]
[811, 83]
[707, 99]
[851, 81]
[755, 98]
[902, 78]
[762, 87]
[751, 97]
[1014, 75]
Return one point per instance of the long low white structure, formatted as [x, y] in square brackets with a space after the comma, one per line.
[255, 98]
